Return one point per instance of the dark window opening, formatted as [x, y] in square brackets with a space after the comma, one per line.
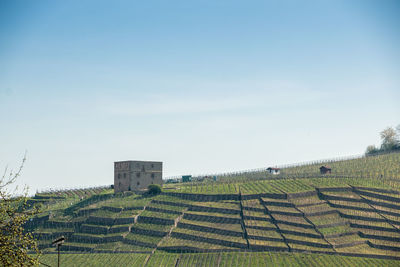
[138, 183]
[124, 175]
[119, 175]
[138, 174]
[152, 175]
[152, 165]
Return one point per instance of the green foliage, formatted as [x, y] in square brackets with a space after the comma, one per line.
[154, 189]
[372, 150]
[15, 243]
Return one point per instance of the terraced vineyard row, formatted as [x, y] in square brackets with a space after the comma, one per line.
[80, 193]
[277, 186]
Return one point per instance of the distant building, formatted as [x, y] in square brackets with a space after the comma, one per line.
[136, 175]
[172, 181]
[274, 170]
[199, 179]
[325, 169]
[186, 178]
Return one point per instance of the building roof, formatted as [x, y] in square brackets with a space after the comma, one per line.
[139, 161]
[325, 167]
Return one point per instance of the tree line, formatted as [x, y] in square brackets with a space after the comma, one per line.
[390, 141]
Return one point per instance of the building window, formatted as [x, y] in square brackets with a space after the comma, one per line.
[138, 174]
[152, 165]
[119, 175]
[152, 175]
[124, 175]
[138, 183]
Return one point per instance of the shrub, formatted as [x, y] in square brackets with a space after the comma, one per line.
[154, 189]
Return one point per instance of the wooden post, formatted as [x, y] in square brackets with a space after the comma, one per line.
[58, 243]
[58, 248]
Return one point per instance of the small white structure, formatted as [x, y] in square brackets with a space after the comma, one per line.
[273, 170]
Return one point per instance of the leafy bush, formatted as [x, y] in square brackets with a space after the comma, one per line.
[154, 189]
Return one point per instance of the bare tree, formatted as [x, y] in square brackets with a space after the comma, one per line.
[15, 243]
[388, 137]
[371, 150]
[398, 134]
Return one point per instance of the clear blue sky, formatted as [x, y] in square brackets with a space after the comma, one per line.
[204, 87]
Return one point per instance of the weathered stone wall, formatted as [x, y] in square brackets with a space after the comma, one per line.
[136, 175]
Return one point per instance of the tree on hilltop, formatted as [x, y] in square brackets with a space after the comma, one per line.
[371, 150]
[390, 141]
[389, 138]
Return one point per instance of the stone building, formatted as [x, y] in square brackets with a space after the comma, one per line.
[136, 175]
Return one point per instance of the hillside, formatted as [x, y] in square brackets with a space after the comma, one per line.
[337, 218]
[384, 165]
[378, 166]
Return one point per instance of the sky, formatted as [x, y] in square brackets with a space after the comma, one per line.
[203, 86]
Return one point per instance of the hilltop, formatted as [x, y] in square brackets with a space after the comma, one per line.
[339, 217]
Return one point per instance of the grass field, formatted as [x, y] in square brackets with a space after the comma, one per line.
[236, 259]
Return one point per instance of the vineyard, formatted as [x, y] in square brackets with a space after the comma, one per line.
[327, 220]
[212, 259]
[384, 166]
